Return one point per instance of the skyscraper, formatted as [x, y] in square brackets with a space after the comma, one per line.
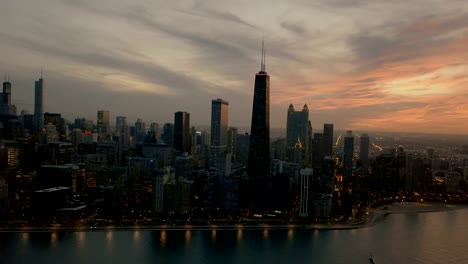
[328, 139]
[140, 131]
[305, 185]
[364, 150]
[56, 120]
[348, 155]
[103, 122]
[168, 134]
[39, 104]
[259, 150]
[219, 122]
[317, 152]
[219, 158]
[6, 108]
[297, 129]
[120, 122]
[182, 132]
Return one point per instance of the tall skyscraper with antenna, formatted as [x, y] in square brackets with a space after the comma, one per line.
[5, 98]
[259, 150]
[39, 104]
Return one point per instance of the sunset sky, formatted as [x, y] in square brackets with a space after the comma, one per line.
[399, 65]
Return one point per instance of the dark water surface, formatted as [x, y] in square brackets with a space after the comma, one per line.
[440, 237]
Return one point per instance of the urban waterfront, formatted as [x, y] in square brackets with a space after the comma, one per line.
[436, 237]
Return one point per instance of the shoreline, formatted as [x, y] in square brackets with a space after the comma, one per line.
[375, 216]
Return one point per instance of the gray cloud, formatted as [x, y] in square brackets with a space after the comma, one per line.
[322, 51]
[294, 27]
[151, 72]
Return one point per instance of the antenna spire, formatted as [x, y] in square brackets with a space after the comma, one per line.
[262, 65]
[41, 72]
[5, 77]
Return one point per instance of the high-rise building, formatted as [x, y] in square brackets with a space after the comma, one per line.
[232, 140]
[28, 122]
[182, 132]
[103, 119]
[305, 185]
[39, 104]
[154, 129]
[122, 131]
[328, 139]
[120, 122]
[364, 150]
[168, 134]
[6, 108]
[297, 129]
[54, 119]
[348, 155]
[161, 177]
[317, 151]
[183, 166]
[219, 157]
[259, 148]
[219, 122]
[140, 131]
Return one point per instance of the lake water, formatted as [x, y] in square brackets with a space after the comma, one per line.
[439, 237]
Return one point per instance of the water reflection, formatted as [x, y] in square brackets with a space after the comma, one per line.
[80, 239]
[136, 238]
[239, 235]
[413, 239]
[25, 239]
[213, 234]
[109, 239]
[188, 237]
[265, 233]
[53, 239]
[290, 235]
[163, 238]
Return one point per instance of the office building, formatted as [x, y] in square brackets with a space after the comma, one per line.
[220, 158]
[348, 155]
[183, 166]
[328, 140]
[39, 104]
[219, 122]
[305, 187]
[161, 177]
[103, 125]
[56, 120]
[182, 132]
[317, 151]
[297, 129]
[6, 108]
[140, 131]
[364, 150]
[259, 149]
[168, 134]
[120, 122]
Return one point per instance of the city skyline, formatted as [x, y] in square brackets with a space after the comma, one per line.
[374, 66]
